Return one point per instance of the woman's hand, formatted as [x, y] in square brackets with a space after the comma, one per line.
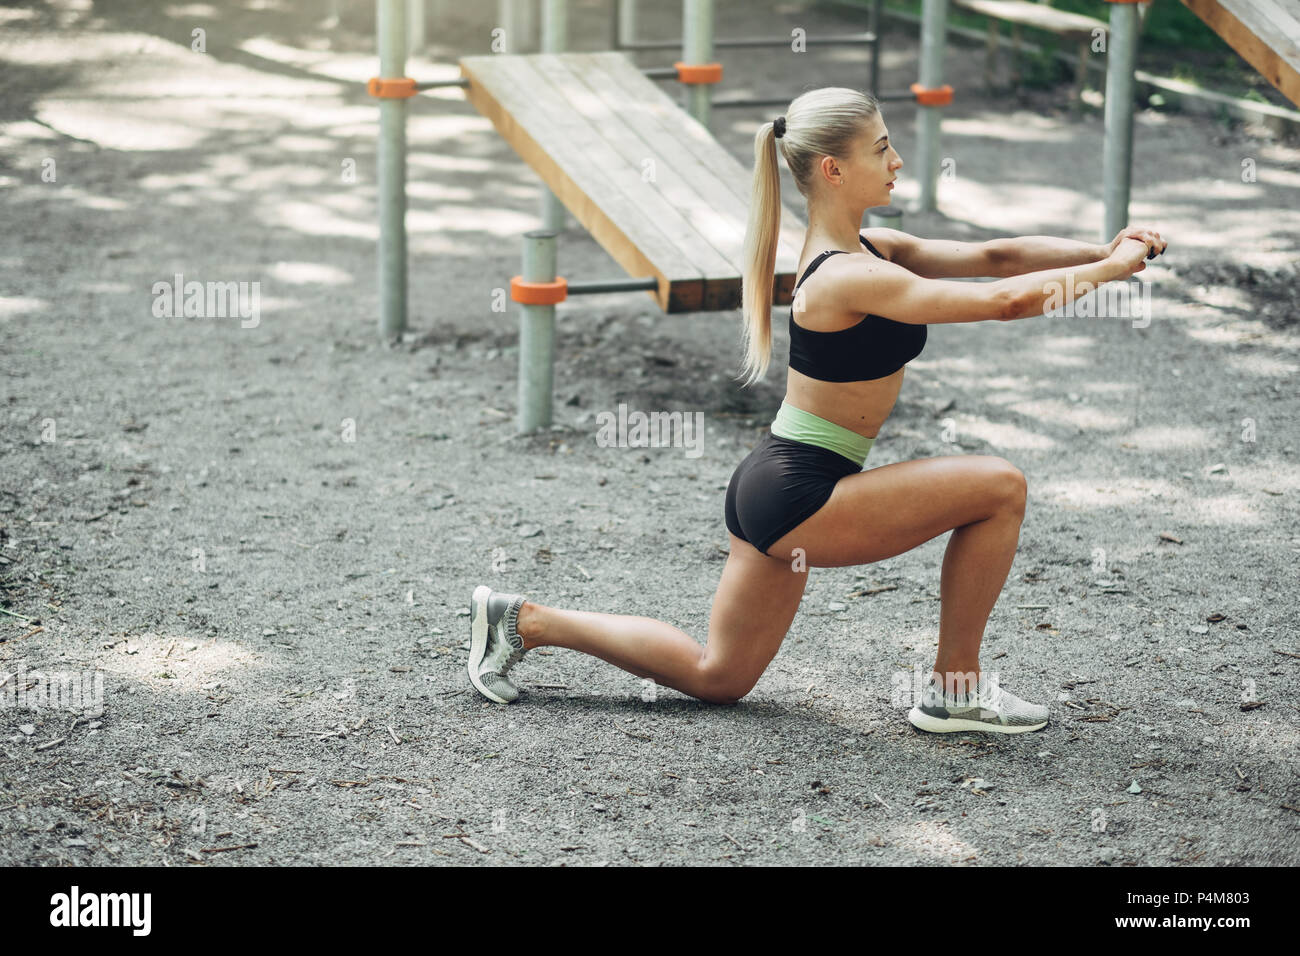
[1155, 245]
[1129, 254]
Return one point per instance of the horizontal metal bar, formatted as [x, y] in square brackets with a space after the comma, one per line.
[597, 286]
[436, 83]
[847, 40]
[661, 72]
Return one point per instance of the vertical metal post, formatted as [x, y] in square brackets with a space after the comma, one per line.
[537, 337]
[626, 15]
[934, 29]
[1117, 164]
[509, 21]
[415, 27]
[886, 217]
[527, 25]
[391, 30]
[555, 39]
[875, 46]
[697, 47]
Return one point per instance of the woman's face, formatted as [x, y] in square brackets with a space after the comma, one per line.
[864, 176]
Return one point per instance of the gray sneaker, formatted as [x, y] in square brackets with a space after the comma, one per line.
[989, 709]
[494, 644]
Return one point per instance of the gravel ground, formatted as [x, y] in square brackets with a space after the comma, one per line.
[263, 535]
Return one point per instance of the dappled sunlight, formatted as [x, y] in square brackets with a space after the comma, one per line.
[314, 219]
[175, 660]
[308, 273]
[1021, 206]
[504, 223]
[12, 306]
[1067, 413]
[933, 841]
[1171, 438]
[1003, 435]
[441, 192]
[1011, 128]
[1097, 493]
[144, 125]
[1243, 331]
[1262, 366]
[1186, 502]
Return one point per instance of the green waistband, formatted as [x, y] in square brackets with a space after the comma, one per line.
[798, 425]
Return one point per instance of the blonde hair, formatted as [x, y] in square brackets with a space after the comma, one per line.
[822, 122]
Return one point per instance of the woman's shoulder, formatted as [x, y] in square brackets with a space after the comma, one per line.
[882, 242]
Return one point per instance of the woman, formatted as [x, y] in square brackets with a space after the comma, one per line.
[801, 499]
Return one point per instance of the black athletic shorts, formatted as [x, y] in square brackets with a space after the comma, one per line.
[779, 485]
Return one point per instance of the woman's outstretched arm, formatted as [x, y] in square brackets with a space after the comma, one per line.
[1019, 255]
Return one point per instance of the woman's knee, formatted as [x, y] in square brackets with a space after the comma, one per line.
[719, 686]
[1010, 487]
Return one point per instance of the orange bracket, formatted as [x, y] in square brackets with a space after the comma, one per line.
[391, 89]
[538, 293]
[698, 72]
[932, 95]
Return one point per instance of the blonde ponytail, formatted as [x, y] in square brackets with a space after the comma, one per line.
[822, 122]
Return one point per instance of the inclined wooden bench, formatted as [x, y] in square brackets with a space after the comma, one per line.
[646, 179]
[1039, 16]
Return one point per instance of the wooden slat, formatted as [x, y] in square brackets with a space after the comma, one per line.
[649, 100]
[690, 138]
[559, 146]
[1037, 15]
[642, 232]
[1263, 33]
[706, 181]
[709, 225]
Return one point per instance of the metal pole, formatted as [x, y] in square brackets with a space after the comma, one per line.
[415, 21]
[1117, 164]
[391, 29]
[875, 46]
[508, 20]
[555, 38]
[527, 25]
[934, 17]
[697, 47]
[537, 337]
[626, 12]
[886, 217]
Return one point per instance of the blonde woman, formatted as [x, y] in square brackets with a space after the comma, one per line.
[800, 499]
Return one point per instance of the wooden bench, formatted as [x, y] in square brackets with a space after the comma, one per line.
[1266, 33]
[648, 181]
[1038, 16]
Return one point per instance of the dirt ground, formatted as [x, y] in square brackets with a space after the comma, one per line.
[264, 536]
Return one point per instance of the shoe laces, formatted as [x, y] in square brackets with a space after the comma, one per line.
[992, 699]
[512, 658]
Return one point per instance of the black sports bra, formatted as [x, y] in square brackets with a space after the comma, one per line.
[873, 348]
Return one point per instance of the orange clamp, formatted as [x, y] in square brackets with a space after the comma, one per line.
[391, 89]
[538, 293]
[698, 72]
[932, 95]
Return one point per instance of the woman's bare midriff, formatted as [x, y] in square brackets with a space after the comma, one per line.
[860, 407]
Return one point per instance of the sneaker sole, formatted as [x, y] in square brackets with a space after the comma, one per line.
[950, 725]
[478, 635]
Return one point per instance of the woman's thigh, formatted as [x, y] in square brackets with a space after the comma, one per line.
[877, 514]
[754, 606]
